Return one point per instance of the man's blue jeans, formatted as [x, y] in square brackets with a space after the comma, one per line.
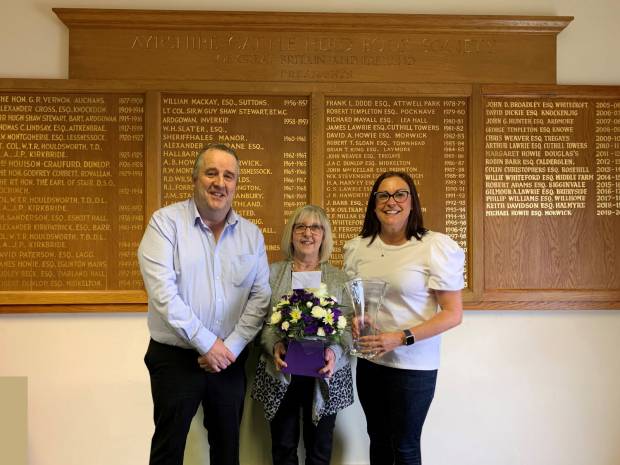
[395, 402]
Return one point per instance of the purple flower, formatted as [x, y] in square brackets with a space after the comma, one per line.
[311, 329]
[301, 302]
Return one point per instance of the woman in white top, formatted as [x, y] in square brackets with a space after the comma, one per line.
[424, 272]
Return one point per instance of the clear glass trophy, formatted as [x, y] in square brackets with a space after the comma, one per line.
[366, 297]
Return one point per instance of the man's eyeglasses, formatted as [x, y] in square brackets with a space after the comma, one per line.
[399, 196]
[300, 228]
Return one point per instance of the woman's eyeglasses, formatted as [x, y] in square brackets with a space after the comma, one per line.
[300, 228]
[399, 196]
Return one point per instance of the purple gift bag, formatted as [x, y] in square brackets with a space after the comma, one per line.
[305, 358]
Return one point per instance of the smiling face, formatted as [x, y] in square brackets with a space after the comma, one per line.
[215, 185]
[306, 243]
[393, 215]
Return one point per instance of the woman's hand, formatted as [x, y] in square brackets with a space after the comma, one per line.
[355, 327]
[450, 316]
[330, 363]
[359, 324]
[381, 343]
[279, 350]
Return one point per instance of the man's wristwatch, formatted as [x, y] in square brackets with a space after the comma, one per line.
[409, 337]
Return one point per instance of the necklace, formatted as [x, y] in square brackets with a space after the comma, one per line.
[301, 266]
[383, 244]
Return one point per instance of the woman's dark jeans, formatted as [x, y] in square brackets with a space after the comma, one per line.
[318, 438]
[395, 402]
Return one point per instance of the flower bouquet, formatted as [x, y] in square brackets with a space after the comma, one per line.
[307, 318]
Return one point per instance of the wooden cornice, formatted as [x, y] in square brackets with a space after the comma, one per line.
[280, 21]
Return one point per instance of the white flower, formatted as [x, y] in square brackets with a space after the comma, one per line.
[320, 332]
[323, 302]
[342, 322]
[309, 304]
[284, 326]
[276, 317]
[282, 303]
[318, 312]
[322, 291]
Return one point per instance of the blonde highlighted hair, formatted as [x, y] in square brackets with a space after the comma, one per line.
[316, 213]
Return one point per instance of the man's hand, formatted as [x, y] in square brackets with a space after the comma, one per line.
[330, 363]
[217, 359]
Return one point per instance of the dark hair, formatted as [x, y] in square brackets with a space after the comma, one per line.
[415, 223]
[213, 146]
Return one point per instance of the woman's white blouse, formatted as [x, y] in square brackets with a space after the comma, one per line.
[412, 270]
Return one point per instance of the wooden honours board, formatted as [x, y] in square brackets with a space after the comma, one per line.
[423, 136]
[524, 178]
[551, 193]
[271, 132]
[284, 164]
[71, 196]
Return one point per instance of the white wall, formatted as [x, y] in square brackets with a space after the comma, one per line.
[515, 387]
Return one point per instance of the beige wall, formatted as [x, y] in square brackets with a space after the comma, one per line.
[515, 387]
[13, 421]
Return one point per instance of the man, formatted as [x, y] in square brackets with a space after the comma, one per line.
[206, 274]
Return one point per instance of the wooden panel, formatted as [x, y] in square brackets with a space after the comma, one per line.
[551, 193]
[423, 136]
[310, 47]
[321, 129]
[270, 135]
[71, 194]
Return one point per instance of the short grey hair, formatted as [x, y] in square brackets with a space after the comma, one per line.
[301, 213]
[212, 146]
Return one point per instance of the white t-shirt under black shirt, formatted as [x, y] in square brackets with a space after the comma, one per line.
[412, 270]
